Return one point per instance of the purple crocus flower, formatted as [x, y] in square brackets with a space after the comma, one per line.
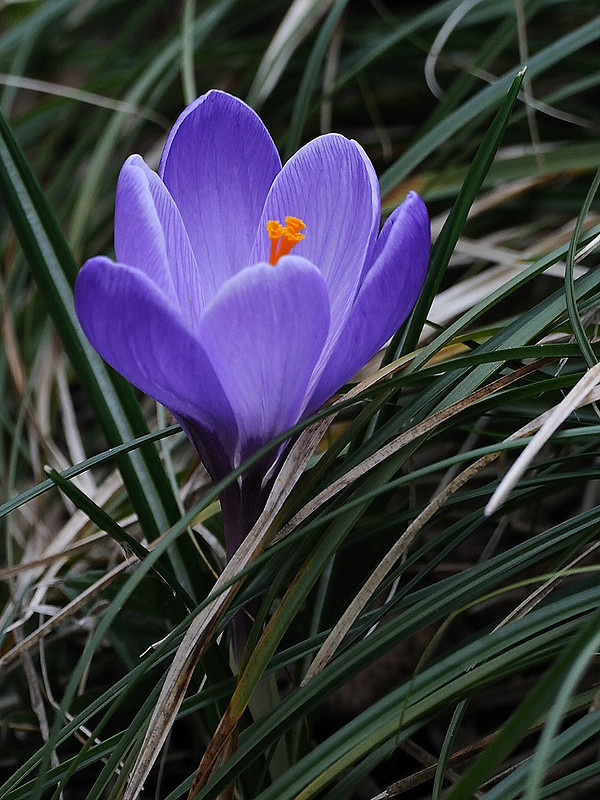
[245, 293]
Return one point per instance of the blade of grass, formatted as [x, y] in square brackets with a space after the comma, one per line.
[581, 732]
[484, 100]
[187, 52]
[310, 78]
[534, 707]
[163, 62]
[534, 639]
[576, 324]
[406, 340]
[111, 397]
[77, 469]
[107, 524]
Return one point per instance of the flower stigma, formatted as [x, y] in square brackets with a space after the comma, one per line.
[283, 238]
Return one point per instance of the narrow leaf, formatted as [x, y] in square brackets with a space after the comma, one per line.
[113, 400]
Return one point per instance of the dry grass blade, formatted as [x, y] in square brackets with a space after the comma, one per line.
[221, 747]
[199, 634]
[84, 597]
[589, 248]
[71, 429]
[577, 397]
[301, 18]
[71, 550]
[55, 553]
[41, 380]
[81, 96]
[417, 778]
[542, 591]
[11, 351]
[37, 703]
[507, 264]
[441, 38]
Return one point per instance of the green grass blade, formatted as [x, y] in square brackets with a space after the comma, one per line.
[572, 310]
[110, 526]
[486, 99]
[111, 397]
[309, 78]
[406, 340]
[534, 707]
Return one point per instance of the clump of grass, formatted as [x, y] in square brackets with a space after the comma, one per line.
[407, 642]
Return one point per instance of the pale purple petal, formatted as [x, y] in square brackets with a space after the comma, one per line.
[264, 332]
[331, 185]
[218, 164]
[139, 236]
[385, 299]
[149, 235]
[135, 330]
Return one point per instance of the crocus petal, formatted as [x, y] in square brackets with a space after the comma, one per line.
[218, 164]
[136, 330]
[331, 186]
[264, 332]
[150, 235]
[139, 237]
[386, 297]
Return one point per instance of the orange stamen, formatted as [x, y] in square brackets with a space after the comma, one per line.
[283, 239]
[275, 230]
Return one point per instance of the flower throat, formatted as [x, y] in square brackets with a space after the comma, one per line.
[284, 237]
